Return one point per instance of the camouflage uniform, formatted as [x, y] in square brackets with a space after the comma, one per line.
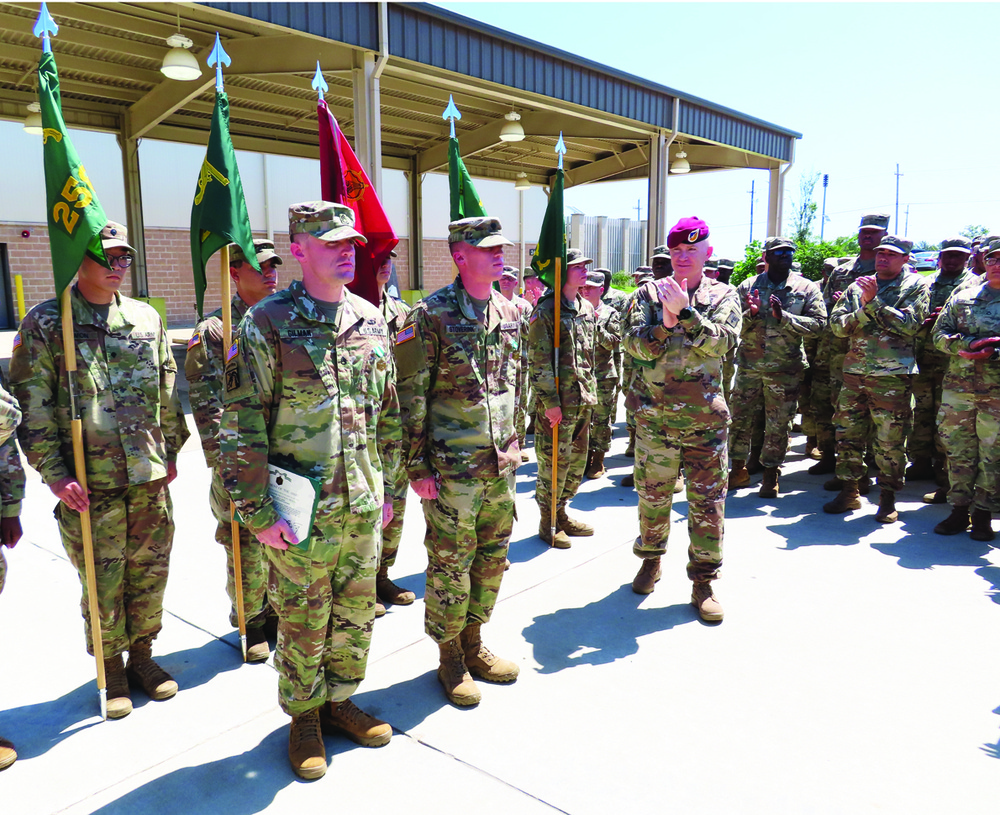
[204, 368]
[458, 390]
[877, 373]
[521, 419]
[317, 398]
[609, 344]
[133, 427]
[577, 394]
[682, 418]
[394, 312]
[969, 418]
[771, 362]
[11, 471]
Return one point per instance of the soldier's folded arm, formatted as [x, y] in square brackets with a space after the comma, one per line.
[203, 373]
[846, 318]
[389, 431]
[811, 321]
[907, 320]
[416, 345]
[174, 428]
[946, 335]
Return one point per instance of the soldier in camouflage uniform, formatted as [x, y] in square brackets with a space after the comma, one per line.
[394, 312]
[828, 373]
[458, 355]
[679, 329]
[925, 449]
[11, 495]
[133, 428]
[204, 366]
[880, 317]
[533, 286]
[780, 309]
[609, 341]
[508, 288]
[968, 332]
[310, 388]
[726, 269]
[810, 345]
[571, 406]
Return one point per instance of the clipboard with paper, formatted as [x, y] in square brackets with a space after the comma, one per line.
[295, 498]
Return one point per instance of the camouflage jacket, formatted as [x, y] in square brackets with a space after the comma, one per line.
[458, 386]
[678, 378]
[11, 471]
[971, 313]
[940, 289]
[609, 341]
[314, 397]
[830, 347]
[881, 334]
[577, 340]
[126, 395]
[772, 345]
[394, 312]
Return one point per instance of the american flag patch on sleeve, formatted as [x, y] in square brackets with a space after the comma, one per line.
[17, 340]
[195, 340]
[407, 333]
[234, 349]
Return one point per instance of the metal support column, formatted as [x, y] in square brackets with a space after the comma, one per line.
[367, 117]
[656, 233]
[133, 209]
[415, 183]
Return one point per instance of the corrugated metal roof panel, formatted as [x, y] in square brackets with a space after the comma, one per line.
[351, 23]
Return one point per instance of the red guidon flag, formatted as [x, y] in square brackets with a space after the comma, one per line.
[344, 182]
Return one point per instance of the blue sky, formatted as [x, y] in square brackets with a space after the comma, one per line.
[869, 85]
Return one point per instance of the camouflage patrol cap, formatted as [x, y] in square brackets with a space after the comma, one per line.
[575, 257]
[483, 232]
[113, 235]
[661, 251]
[874, 220]
[711, 264]
[892, 243]
[595, 277]
[509, 271]
[529, 273]
[778, 243]
[726, 264]
[642, 277]
[957, 244]
[991, 247]
[642, 270]
[323, 220]
[831, 263]
[264, 249]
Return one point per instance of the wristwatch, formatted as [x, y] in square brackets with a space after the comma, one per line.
[684, 314]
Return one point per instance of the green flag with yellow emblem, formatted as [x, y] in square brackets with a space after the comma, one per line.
[552, 240]
[465, 201]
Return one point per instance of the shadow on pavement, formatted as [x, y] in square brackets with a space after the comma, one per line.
[406, 704]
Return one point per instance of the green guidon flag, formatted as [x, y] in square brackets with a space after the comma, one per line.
[552, 240]
[219, 214]
[75, 216]
[465, 201]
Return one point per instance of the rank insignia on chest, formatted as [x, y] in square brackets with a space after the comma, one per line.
[195, 340]
[407, 333]
[234, 349]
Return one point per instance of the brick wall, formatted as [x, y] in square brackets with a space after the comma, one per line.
[439, 269]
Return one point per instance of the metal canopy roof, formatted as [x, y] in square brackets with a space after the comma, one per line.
[109, 56]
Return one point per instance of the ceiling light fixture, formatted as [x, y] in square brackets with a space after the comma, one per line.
[512, 131]
[33, 121]
[680, 164]
[522, 182]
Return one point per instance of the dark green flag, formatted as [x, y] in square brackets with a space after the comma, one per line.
[552, 240]
[74, 213]
[465, 201]
[219, 214]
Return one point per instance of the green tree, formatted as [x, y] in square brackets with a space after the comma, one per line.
[804, 210]
[810, 255]
[973, 231]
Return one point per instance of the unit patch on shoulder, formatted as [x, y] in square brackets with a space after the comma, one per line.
[407, 333]
[195, 340]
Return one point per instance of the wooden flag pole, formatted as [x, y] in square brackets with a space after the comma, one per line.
[227, 342]
[555, 427]
[80, 465]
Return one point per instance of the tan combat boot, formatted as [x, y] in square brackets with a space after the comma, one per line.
[703, 598]
[679, 484]
[119, 698]
[753, 463]
[257, 648]
[955, 523]
[630, 450]
[347, 719]
[595, 465]
[887, 513]
[8, 755]
[388, 592]
[812, 451]
[481, 661]
[454, 676]
[769, 486]
[649, 573]
[142, 671]
[739, 476]
[939, 496]
[848, 499]
[561, 540]
[571, 526]
[306, 750]
[827, 464]
[982, 525]
[836, 485]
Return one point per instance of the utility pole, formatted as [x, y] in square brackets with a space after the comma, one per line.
[822, 220]
[898, 174]
[751, 210]
[906, 229]
[638, 210]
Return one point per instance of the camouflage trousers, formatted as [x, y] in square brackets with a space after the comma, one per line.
[521, 406]
[603, 416]
[468, 531]
[253, 562]
[826, 385]
[880, 404]
[806, 407]
[325, 600]
[133, 531]
[393, 533]
[729, 375]
[970, 430]
[925, 441]
[777, 395]
[574, 441]
[659, 454]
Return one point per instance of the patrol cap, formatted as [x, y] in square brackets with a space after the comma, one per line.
[575, 256]
[687, 230]
[530, 273]
[991, 247]
[662, 251]
[831, 263]
[263, 248]
[957, 244]
[595, 277]
[481, 231]
[874, 220]
[778, 243]
[643, 277]
[711, 264]
[641, 270]
[509, 271]
[892, 243]
[323, 220]
[113, 235]
[726, 264]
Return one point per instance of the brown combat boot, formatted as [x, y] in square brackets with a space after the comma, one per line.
[922, 469]
[561, 540]
[812, 451]
[388, 592]
[119, 698]
[649, 573]
[848, 499]
[454, 676]
[939, 496]
[753, 463]
[982, 525]
[827, 464]
[481, 661]
[887, 513]
[630, 450]
[739, 476]
[571, 526]
[595, 465]
[306, 750]
[769, 486]
[142, 671]
[836, 485]
[257, 648]
[347, 719]
[8, 755]
[955, 523]
[703, 598]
